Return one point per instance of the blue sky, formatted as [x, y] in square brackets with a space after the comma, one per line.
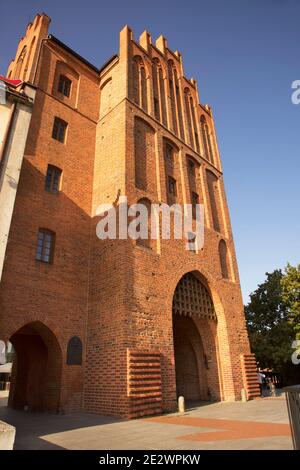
[245, 55]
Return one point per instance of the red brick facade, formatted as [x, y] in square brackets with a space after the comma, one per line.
[131, 126]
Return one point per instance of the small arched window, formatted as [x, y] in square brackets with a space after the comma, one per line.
[223, 255]
[74, 352]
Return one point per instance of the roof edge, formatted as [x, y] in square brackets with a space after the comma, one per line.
[79, 57]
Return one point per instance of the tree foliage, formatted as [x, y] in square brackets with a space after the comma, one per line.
[290, 284]
[270, 332]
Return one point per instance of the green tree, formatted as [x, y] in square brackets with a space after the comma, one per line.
[290, 284]
[270, 332]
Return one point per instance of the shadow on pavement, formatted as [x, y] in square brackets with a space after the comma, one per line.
[31, 427]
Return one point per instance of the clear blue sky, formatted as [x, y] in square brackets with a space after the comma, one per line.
[245, 55]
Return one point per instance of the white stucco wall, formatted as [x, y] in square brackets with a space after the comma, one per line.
[14, 152]
[5, 111]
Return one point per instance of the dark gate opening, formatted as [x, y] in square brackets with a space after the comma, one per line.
[191, 304]
[36, 371]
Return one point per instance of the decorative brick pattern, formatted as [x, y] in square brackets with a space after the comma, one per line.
[144, 383]
[250, 376]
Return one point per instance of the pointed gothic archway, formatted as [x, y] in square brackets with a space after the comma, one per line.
[36, 372]
[194, 319]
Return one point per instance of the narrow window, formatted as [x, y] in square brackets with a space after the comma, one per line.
[191, 167]
[64, 85]
[52, 182]
[136, 80]
[74, 352]
[144, 157]
[204, 137]
[212, 183]
[169, 154]
[197, 142]
[162, 96]
[155, 82]
[172, 97]
[223, 259]
[172, 186]
[59, 130]
[188, 116]
[156, 109]
[146, 240]
[195, 201]
[178, 103]
[45, 246]
[209, 137]
[143, 88]
[139, 83]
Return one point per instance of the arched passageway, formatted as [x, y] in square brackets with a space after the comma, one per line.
[194, 343]
[36, 371]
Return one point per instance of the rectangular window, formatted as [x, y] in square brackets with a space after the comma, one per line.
[59, 130]
[45, 246]
[64, 85]
[52, 182]
[172, 186]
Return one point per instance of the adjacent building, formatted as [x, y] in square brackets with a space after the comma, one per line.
[16, 103]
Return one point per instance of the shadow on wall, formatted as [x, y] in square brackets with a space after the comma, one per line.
[37, 294]
[55, 294]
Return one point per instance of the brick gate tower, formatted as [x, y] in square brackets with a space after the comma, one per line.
[118, 326]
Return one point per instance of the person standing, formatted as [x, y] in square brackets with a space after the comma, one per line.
[261, 379]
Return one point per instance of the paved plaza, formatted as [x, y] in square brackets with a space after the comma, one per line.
[258, 424]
